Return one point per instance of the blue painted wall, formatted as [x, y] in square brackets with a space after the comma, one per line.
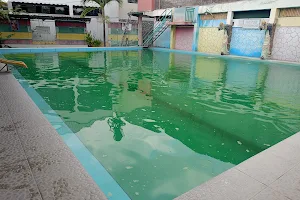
[247, 42]
[164, 40]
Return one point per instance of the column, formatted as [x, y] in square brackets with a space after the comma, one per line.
[140, 30]
[266, 51]
[71, 10]
[196, 33]
[172, 38]
[227, 35]
[229, 18]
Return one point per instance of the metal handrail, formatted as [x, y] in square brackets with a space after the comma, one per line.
[160, 25]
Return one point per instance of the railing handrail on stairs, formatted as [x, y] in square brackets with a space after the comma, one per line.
[158, 28]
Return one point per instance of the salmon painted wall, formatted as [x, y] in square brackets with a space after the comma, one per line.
[146, 5]
[184, 38]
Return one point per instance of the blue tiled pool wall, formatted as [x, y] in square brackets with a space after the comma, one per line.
[95, 169]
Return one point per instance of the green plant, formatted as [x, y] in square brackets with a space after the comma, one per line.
[4, 11]
[91, 41]
[101, 4]
[96, 43]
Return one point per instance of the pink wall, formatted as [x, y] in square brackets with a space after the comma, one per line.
[184, 38]
[146, 5]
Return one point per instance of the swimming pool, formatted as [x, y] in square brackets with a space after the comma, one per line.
[162, 123]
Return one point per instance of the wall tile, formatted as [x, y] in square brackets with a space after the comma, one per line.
[247, 42]
[184, 38]
[286, 44]
[210, 40]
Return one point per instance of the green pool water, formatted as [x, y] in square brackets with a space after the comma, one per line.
[163, 123]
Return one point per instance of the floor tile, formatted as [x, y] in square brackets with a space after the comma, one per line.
[40, 140]
[265, 167]
[269, 194]
[16, 182]
[202, 192]
[61, 176]
[11, 150]
[289, 184]
[236, 185]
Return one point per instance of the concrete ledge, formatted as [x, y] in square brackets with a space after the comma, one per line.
[273, 174]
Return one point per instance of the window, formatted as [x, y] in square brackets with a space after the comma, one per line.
[77, 10]
[132, 1]
[46, 9]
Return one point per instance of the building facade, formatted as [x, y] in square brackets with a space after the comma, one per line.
[59, 23]
[261, 28]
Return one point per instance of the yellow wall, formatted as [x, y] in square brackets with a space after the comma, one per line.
[172, 37]
[288, 21]
[70, 36]
[210, 40]
[17, 35]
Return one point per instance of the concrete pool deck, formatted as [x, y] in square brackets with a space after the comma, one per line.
[35, 161]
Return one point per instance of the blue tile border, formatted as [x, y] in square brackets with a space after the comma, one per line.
[95, 169]
[71, 49]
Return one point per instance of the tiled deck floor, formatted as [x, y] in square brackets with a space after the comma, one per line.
[34, 161]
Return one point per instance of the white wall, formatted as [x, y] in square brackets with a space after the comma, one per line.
[249, 5]
[37, 36]
[126, 8]
[95, 26]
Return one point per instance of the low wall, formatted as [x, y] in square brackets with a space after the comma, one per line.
[287, 38]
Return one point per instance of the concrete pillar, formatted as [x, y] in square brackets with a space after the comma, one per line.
[172, 38]
[140, 30]
[9, 5]
[173, 32]
[229, 18]
[71, 10]
[196, 33]
[267, 47]
[274, 15]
